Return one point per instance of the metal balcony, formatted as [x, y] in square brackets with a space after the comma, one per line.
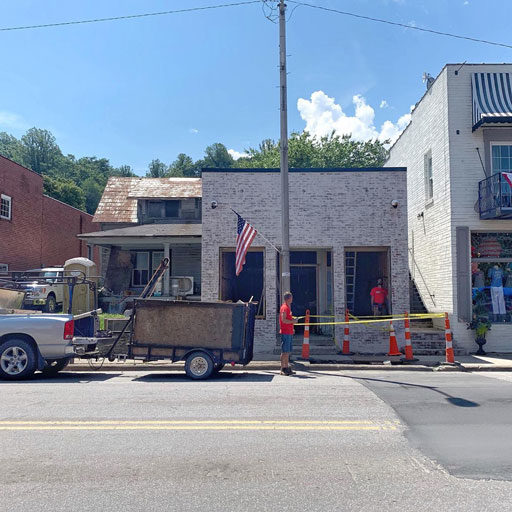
[495, 197]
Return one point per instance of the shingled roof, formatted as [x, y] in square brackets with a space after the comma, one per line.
[119, 200]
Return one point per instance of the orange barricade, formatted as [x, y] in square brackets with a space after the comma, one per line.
[448, 336]
[393, 346]
[305, 342]
[408, 344]
[346, 342]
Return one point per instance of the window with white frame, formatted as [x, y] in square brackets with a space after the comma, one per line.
[140, 272]
[4, 267]
[5, 207]
[144, 265]
[501, 157]
[429, 179]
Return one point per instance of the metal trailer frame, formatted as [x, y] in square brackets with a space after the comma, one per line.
[220, 356]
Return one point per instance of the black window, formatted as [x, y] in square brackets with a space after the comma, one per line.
[172, 208]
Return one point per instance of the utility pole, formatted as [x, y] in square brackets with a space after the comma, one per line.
[285, 210]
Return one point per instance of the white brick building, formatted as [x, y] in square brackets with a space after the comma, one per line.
[339, 219]
[459, 141]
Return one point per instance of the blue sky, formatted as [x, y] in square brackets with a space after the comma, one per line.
[149, 88]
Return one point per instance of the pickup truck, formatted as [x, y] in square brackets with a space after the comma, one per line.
[45, 342]
[47, 291]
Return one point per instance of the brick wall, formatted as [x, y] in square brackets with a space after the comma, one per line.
[41, 230]
[330, 210]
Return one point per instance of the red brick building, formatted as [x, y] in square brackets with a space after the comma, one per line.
[37, 230]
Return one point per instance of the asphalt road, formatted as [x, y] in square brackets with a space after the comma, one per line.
[256, 441]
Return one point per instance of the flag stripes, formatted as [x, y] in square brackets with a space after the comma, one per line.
[245, 235]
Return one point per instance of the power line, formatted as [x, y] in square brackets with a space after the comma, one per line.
[132, 16]
[437, 32]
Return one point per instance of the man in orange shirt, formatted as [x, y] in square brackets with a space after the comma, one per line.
[286, 323]
[379, 296]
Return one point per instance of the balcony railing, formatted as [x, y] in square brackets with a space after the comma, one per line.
[495, 197]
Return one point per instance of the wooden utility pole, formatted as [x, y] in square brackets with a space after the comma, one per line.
[285, 209]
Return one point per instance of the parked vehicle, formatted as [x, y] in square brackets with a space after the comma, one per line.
[45, 342]
[47, 291]
[206, 335]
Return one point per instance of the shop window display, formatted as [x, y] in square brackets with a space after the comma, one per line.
[491, 269]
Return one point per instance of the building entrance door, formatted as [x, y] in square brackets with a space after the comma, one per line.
[303, 285]
[362, 269]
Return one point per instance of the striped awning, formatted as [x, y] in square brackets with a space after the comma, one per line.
[492, 98]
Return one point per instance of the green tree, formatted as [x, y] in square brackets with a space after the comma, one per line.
[11, 148]
[40, 150]
[92, 191]
[216, 155]
[124, 171]
[182, 166]
[65, 191]
[306, 151]
[156, 169]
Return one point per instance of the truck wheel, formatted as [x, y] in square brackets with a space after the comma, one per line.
[199, 365]
[53, 367]
[17, 360]
[218, 367]
[51, 304]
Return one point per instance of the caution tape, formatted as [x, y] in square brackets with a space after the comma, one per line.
[397, 318]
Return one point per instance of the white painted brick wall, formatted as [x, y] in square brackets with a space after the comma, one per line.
[430, 234]
[330, 210]
[446, 108]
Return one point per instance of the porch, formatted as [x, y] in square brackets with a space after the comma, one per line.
[130, 255]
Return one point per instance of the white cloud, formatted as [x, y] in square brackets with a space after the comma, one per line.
[323, 115]
[384, 104]
[193, 130]
[236, 154]
[466, 2]
[8, 120]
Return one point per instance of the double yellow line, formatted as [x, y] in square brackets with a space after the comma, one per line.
[197, 425]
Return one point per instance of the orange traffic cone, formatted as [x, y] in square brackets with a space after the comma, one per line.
[346, 342]
[448, 336]
[408, 344]
[393, 346]
[305, 342]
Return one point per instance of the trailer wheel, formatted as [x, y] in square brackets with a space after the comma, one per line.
[218, 367]
[199, 365]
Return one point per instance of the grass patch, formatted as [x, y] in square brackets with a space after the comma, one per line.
[107, 315]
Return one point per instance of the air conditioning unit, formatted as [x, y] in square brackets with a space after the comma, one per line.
[182, 285]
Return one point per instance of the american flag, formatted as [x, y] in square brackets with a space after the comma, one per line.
[245, 236]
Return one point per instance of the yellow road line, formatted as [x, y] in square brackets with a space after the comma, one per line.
[180, 422]
[197, 425]
[200, 427]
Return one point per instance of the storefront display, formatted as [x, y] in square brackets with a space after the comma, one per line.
[491, 268]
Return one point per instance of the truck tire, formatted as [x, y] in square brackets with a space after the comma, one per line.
[199, 365]
[51, 304]
[17, 359]
[53, 367]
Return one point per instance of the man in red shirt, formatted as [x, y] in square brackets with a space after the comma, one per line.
[379, 296]
[286, 323]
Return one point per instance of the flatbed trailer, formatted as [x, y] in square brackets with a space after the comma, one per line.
[206, 335]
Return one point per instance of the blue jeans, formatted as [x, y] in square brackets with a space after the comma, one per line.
[286, 343]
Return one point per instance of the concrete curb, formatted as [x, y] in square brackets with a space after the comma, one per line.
[299, 366]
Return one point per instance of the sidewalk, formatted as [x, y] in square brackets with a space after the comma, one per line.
[473, 363]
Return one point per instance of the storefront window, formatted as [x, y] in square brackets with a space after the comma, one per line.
[491, 276]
